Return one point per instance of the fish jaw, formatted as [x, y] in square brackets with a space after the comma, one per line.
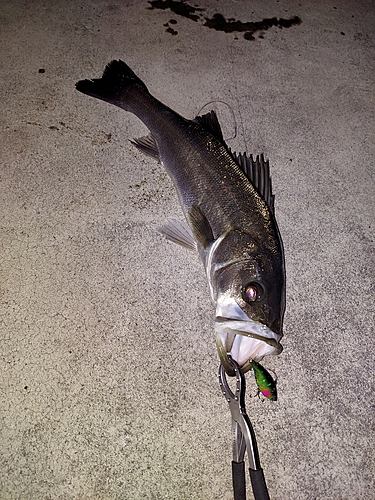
[244, 339]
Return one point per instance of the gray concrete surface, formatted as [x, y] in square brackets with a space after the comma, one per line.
[108, 363]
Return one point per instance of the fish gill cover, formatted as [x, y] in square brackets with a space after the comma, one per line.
[219, 22]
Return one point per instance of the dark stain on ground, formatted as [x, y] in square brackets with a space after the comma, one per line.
[169, 29]
[180, 8]
[218, 21]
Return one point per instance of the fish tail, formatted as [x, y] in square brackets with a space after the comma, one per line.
[119, 85]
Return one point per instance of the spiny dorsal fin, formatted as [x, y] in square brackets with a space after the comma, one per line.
[200, 226]
[210, 122]
[147, 145]
[258, 172]
[179, 232]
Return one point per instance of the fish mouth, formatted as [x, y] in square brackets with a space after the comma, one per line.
[245, 341]
[242, 338]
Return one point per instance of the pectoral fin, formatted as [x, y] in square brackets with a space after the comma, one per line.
[179, 232]
[200, 226]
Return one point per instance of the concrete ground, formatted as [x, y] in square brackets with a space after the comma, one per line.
[108, 362]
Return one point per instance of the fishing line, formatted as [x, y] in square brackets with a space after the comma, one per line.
[234, 80]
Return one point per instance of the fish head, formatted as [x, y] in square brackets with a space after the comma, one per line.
[248, 288]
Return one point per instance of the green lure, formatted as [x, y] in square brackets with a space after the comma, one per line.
[265, 383]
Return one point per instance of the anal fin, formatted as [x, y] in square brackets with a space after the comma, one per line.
[147, 145]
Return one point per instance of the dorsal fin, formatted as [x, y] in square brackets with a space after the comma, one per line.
[210, 122]
[258, 172]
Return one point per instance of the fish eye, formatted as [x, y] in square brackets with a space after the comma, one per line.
[252, 292]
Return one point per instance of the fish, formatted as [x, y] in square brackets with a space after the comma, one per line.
[228, 205]
[266, 384]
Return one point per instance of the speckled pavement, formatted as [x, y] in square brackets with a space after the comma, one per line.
[108, 386]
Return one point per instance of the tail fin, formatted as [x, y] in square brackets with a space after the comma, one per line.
[114, 85]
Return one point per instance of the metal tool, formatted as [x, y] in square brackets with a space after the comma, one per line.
[244, 439]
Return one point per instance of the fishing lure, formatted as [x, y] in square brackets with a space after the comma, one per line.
[265, 383]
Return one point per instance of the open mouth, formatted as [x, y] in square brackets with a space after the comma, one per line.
[245, 341]
[242, 338]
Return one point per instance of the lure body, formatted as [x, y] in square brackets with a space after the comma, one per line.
[266, 384]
